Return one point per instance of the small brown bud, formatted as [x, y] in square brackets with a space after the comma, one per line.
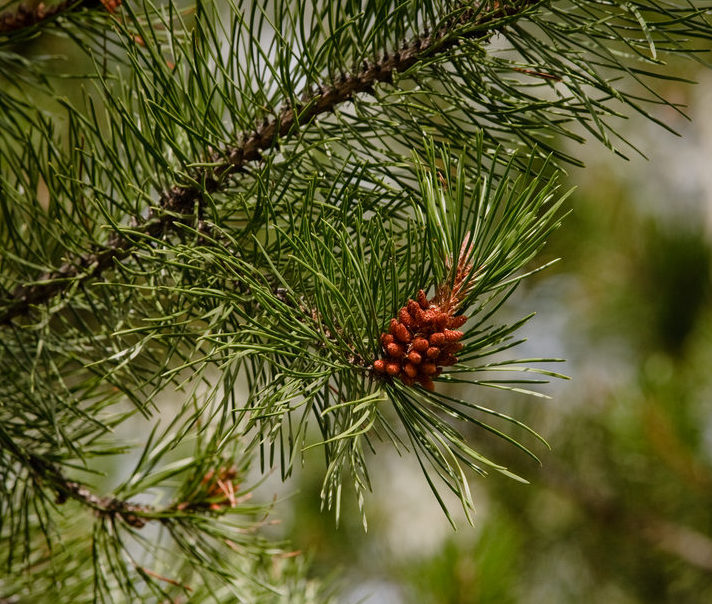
[401, 332]
[415, 357]
[395, 350]
[386, 339]
[379, 366]
[433, 352]
[420, 344]
[421, 318]
[452, 336]
[410, 370]
[457, 321]
[405, 317]
[393, 368]
[431, 316]
[413, 307]
[437, 339]
[423, 300]
[428, 368]
[441, 320]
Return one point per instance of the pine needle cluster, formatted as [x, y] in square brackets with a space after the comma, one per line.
[242, 224]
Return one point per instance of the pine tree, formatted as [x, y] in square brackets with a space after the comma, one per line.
[260, 228]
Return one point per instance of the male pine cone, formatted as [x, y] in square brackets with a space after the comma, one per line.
[421, 341]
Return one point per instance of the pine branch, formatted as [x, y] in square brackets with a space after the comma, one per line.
[206, 541]
[218, 492]
[181, 199]
[109, 507]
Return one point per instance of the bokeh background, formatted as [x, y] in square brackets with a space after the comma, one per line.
[620, 511]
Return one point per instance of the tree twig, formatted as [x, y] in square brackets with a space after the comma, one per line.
[182, 199]
[215, 497]
[133, 514]
[24, 16]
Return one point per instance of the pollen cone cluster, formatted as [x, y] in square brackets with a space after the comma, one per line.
[420, 342]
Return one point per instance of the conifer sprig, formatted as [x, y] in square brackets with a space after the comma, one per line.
[203, 539]
[225, 225]
[343, 71]
[295, 114]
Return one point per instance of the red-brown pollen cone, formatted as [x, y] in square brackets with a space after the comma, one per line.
[420, 342]
[423, 337]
